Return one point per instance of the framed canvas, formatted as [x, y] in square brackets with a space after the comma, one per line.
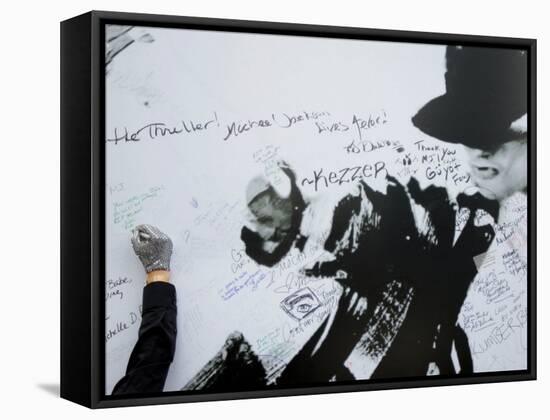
[254, 209]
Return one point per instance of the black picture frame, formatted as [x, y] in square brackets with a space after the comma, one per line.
[83, 203]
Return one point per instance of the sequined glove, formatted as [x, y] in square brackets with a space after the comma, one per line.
[152, 247]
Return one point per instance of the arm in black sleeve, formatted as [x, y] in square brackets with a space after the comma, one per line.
[154, 350]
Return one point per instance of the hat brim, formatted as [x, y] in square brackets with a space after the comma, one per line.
[446, 120]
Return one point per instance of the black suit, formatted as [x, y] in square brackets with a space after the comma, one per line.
[154, 351]
[397, 251]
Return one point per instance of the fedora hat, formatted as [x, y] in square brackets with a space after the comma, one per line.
[485, 102]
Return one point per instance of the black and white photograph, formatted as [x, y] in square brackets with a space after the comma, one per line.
[253, 210]
[287, 211]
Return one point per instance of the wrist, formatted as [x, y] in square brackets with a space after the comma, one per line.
[158, 276]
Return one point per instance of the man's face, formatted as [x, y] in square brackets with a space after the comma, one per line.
[501, 172]
[272, 216]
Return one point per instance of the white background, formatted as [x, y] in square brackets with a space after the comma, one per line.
[29, 348]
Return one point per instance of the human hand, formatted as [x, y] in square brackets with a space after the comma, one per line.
[153, 248]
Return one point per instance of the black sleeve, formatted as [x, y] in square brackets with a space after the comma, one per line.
[154, 350]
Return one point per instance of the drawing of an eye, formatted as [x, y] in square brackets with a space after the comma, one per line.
[301, 303]
[303, 308]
